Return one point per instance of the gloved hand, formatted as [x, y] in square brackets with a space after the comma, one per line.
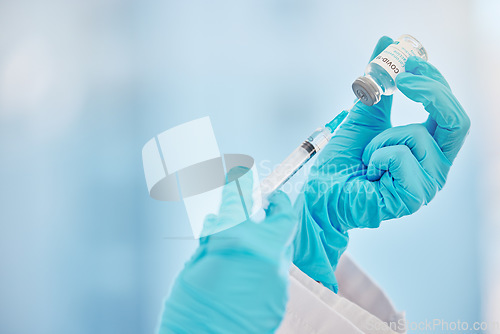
[370, 171]
[237, 280]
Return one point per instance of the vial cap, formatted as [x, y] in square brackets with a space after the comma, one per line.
[366, 90]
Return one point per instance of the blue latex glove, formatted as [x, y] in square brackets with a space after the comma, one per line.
[370, 171]
[237, 280]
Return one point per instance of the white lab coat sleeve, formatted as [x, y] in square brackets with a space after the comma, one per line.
[356, 286]
[312, 308]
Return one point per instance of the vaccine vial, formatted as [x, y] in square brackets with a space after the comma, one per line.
[380, 74]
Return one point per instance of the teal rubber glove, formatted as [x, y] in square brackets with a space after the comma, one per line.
[237, 280]
[371, 172]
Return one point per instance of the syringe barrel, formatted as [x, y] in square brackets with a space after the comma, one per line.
[312, 145]
[287, 168]
[319, 138]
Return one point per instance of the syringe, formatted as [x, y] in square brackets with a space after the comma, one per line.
[301, 155]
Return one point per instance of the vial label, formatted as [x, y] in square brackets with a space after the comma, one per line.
[393, 58]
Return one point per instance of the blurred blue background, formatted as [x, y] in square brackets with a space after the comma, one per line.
[85, 84]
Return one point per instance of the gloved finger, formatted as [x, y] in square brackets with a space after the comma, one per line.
[279, 203]
[244, 179]
[361, 125]
[245, 185]
[383, 107]
[452, 122]
[421, 144]
[364, 122]
[400, 178]
[419, 66]
[268, 239]
[280, 215]
[382, 43]
[236, 196]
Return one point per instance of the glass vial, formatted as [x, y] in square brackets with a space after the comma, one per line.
[380, 74]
